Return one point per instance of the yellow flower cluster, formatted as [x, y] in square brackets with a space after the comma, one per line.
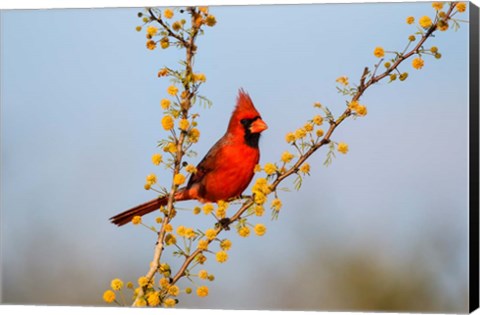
[151, 44]
[261, 189]
[172, 90]
[410, 20]
[270, 168]
[361, 110]
[305, 168]
[244, 231]
[276, 204]
[342, 80]
[222, 209]
[109, 296]
[179, 179]
[143, 281]
[211, 234]
[194, 135]
[116, 284]
[461, 7]
[168, 13]
[221, 256]
[342, 147]
[169, 302]
[136, 220]
[153, 299]
[425, 22]
[287, 157]
[184, 124]
[260, 229]
[208, 208]
[199, 77]
[226, 244]
[418, 63]
[437, 5]
[152, 31]
[379, 52]
[202, 291]
[202, 244]
[157, 159]
[167, 122]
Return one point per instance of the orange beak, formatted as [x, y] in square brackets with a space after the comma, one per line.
[258, 126]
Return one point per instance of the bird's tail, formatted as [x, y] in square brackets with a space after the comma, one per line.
[147, 207]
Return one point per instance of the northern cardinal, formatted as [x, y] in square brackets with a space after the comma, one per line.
[227, 168]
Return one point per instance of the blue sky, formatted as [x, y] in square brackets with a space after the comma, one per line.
[80, 118]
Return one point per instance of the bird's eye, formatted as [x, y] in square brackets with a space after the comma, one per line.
[244, 121]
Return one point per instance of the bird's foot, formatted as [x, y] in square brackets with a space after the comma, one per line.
[225, 223]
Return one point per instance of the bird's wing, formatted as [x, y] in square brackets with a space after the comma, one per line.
[207, 164]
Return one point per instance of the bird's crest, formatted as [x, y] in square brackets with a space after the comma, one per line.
[245, 107]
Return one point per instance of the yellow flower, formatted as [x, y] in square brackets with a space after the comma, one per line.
[153, 299]
[173, 290]
[226, 244]
[210, 20]
[157, 158]
[200, 258]
[342, 80]
[190, 168]
[211, 234]
[190, 233]
[170, 147]
[361, 110]
[418, 63]
[442, 25]
[165, 103]
[308, 127]
[410, 20]
[257, 168]
[167, 122]
[183, 124]
[276, 204]
[140, 302]
[425, 22]
[287, 157]
[151, 179]
[194, 135]
[137, 220]
[461, 7]
[176, 26]
[437, 5]
[207, 208]
[163, 72]
[168, 13]
[138, 28]
[181, 230]
[319, 133]
[172, 90]
[270, 168]
[164, 43]
[170, 239]
[109, 296]
[260, 229]
[164, 283]
[199, 77]
[221, 256]
[169, 302]
[152, 30]
[142, 281]
[342, 147]
[204, 10]
[379, 52]
[290, 137]
[221, 213]
[318, 120]
[203, 274]
[244, 231]
[305, 168]
[197, 210]
[179, 179]
[434, 49]
[202, 244]
[259, 210]
[151, 45]
[411, 38]
[202, 291]
[147, 186]
[116, 284]
[300, 133]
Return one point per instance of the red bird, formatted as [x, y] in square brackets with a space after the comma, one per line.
[225, 171]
